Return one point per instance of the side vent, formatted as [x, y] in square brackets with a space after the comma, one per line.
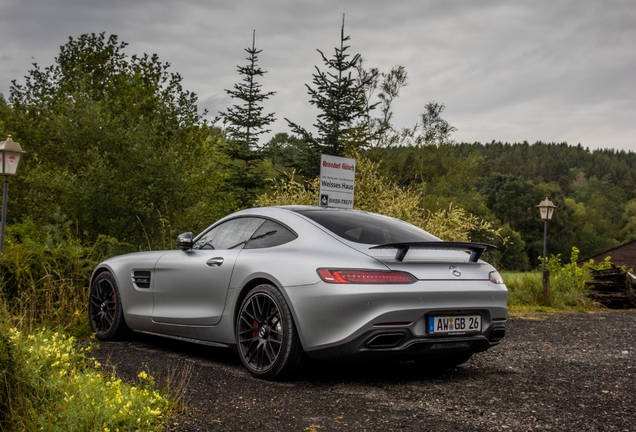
[141, 278]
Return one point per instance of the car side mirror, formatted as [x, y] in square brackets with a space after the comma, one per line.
[185, 241]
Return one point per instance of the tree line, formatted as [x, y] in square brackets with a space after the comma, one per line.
[117, 147]
[594, 191]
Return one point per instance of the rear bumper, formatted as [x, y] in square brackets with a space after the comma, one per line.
[402, 343]
[342, 319]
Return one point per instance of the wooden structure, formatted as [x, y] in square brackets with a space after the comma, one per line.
[623, 255]
[614, 288]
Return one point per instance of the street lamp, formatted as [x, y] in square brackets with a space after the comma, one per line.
[10, 154]
[546, 207]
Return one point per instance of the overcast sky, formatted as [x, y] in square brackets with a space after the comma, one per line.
[510, 71]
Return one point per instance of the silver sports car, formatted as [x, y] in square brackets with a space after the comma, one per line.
[283, 284]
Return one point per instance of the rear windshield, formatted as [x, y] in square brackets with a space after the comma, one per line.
[367, 228]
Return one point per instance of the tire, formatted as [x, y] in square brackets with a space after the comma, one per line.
[266, 336]
[445, 362]
[104, 309]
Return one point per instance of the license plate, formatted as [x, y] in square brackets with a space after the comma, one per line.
[440, 325]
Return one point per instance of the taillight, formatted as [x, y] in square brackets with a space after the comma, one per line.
[338, 276]
[495, 277]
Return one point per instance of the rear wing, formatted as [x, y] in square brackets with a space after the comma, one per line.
[476, 249]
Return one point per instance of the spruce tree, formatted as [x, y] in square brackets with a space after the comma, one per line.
[342, 101]
[244, 124]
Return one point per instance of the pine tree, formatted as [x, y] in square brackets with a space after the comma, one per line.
[341, 99]
[244, 124]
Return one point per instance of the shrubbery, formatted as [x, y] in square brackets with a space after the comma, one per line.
[378, 194]
[567, 284]
[48, 383]
[567, 281]
[44, 273]
[46, 380]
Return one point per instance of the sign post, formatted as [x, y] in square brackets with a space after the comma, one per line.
[337, 181]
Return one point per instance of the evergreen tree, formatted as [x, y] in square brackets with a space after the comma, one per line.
[341, 99]
[288, 152]
[244, 124]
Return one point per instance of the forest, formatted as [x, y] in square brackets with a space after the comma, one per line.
[117, 149]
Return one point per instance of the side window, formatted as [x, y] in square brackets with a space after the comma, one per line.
[270, 234]
[232, 234]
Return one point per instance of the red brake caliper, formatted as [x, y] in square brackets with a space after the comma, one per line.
[255, 325]
[113, 299]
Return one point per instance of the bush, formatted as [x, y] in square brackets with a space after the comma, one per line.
[375, 193]
[567, 281]
[44, 273]
[568, 290]
[8, 376]
[48, 383]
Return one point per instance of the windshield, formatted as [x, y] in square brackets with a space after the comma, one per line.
[367, 228]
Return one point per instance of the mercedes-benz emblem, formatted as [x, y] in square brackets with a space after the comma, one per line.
[455, 271]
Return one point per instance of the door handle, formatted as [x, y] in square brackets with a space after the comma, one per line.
[214, 262]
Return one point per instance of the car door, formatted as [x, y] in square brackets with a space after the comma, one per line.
[190, 287]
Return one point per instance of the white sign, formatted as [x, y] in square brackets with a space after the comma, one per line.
[337, 180]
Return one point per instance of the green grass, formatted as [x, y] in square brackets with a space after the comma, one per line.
[567, 292]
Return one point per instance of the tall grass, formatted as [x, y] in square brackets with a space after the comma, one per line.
[44, 275]
[47, 381]
[524, 289]
[567, 285]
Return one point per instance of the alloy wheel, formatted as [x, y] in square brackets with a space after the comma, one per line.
[260, 332]
[103, 306]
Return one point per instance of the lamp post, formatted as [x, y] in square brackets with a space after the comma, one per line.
[10, 154]
[546, 208]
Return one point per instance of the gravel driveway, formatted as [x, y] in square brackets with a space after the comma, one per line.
[574, 372]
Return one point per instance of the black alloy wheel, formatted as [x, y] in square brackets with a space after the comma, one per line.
[266, 337]
[104, 308]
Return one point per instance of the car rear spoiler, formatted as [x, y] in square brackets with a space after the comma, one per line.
[476, 249]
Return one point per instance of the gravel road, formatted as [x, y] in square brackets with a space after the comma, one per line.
[561, 372]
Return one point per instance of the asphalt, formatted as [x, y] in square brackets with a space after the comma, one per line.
[560, 372]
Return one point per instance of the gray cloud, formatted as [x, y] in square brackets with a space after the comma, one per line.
[510, 71]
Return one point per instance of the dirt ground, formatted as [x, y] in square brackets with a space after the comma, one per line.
[561, 372]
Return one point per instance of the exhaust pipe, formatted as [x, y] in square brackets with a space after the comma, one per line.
[389, 340]
[497, 334]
